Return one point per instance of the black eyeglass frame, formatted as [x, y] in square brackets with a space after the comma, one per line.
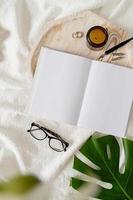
[47, 132]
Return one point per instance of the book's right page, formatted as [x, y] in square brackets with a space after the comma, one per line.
[108, 99]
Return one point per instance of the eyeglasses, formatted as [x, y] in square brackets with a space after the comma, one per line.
[55, 141]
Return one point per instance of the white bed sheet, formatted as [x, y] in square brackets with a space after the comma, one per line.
[21, 23]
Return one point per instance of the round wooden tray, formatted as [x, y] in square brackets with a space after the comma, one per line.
[62, 35]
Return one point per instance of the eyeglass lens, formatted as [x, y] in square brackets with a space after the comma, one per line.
[37, 133]
[56, 144]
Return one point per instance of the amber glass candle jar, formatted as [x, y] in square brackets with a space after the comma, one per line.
[97, 36]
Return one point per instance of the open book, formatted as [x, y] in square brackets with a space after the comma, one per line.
[75, 90]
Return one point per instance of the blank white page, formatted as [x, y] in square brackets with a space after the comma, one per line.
[59, 85]
[108, 99]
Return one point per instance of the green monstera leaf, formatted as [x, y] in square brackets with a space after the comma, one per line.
[104, 152]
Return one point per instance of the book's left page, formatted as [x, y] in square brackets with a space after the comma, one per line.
[59, 84]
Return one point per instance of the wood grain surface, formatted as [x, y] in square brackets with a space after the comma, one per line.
[69, 35]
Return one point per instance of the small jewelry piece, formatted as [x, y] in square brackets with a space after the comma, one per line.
[97, 37]
[55, 141]
[78, 34]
